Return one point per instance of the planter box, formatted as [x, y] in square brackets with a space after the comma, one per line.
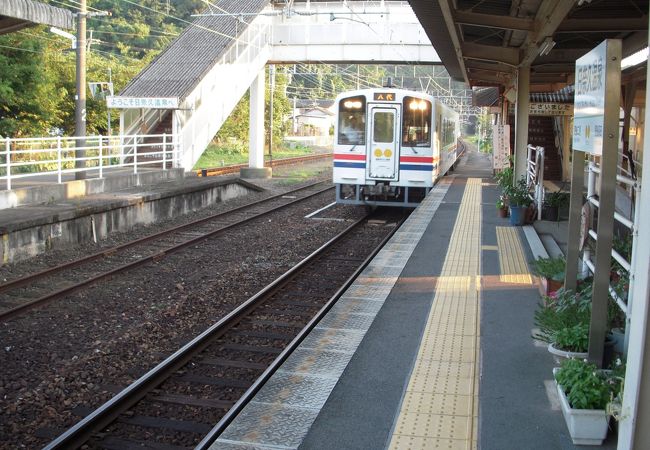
[565, 354]
[546, 285]
[586, 426]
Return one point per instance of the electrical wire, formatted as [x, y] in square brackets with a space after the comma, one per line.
[180, 20]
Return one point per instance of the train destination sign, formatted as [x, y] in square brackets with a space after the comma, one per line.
[136, 102]
[589, 103]
[384, 96]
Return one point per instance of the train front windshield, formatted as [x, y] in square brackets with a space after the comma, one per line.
[352, 121]
[416, 129]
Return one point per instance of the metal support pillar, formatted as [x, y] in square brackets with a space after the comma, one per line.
[575, 207]
[256, 167]
[522, 112]
[607, 199]
[634, 426]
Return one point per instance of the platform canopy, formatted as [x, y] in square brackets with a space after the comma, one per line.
[18, 14]
[483, 42]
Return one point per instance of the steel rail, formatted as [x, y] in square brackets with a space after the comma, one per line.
[12, 284]
[212, 436]
[109, 411]
[215, 171]
[155, 256]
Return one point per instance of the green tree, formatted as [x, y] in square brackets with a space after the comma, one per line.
[23, 110]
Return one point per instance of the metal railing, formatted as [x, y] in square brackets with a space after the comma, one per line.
[535, 176]
[622, 299]
[57, 156]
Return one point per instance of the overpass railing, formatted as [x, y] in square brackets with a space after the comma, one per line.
[53, 157]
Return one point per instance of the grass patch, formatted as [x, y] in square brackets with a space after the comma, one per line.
[298, 176]
[227, 154]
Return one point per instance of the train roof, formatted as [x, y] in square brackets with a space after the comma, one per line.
[382, 89]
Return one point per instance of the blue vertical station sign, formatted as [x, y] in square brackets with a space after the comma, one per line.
[589, 103]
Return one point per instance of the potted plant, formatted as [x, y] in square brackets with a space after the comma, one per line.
[505, 177]
[552, 203]
[502, 207]
[562, 322]
[584, 393]
[519, 199]
[570, 342]
[550, 272]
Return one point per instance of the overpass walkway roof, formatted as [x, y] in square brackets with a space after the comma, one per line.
[18, 14]
[180, 68]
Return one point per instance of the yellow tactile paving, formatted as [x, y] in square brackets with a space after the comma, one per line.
[512, 262]
[440, 407]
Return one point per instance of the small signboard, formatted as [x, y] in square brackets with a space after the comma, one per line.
[384, 96]
[145, 102]
[551, 109]
[501, 146]
[589, 104]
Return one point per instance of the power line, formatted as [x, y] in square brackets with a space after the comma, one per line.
[180, 20]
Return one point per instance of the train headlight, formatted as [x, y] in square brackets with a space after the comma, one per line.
[352, 104]
[419, 105]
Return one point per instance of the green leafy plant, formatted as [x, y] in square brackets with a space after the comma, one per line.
[556, 199]
[572, 339]
[505, 177]
[518, 193]
[564, 310]
[585, 386]
[501, 202]
[551, 268]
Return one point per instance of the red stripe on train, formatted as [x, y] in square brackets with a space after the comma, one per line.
[349, 157]
[417, 159]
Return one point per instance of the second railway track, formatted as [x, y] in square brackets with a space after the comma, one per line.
[176, 404]
[29, 291]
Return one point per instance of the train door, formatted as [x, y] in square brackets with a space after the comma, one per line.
[383, 142]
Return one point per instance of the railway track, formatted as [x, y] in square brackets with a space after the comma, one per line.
[215, 171]
[22, 294]
[210, 379]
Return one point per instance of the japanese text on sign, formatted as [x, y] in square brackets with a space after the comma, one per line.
[135, 102]
[589, 104]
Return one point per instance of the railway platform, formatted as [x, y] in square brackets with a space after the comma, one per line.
[44, 215]
[430, 348]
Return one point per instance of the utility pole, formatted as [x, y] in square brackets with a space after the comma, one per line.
[272, 88]
[110, 91]
[80, 98]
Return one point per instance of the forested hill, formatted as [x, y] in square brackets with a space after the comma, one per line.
[37, 69]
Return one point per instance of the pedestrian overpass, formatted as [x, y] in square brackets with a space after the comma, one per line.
[192, 87]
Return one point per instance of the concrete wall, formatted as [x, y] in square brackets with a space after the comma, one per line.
[71, 227]
[49, 193]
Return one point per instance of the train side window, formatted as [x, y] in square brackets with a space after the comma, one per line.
[416, 122]
[352, 121]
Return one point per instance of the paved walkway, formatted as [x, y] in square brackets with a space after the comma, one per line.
[430, 348]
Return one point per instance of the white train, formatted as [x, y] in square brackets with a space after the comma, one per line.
[391, 145]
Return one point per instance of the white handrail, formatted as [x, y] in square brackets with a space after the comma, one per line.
[56, 156]
[535, 175]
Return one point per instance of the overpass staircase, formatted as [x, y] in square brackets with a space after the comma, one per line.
[207, 69]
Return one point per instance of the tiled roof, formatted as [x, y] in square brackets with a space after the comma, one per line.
[178, 69]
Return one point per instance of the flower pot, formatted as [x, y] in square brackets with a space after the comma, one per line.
[550, 213]
[502, 212]
[586, 426]
[617, 335]
[565, 354]
[517, 215]
[548, 286]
